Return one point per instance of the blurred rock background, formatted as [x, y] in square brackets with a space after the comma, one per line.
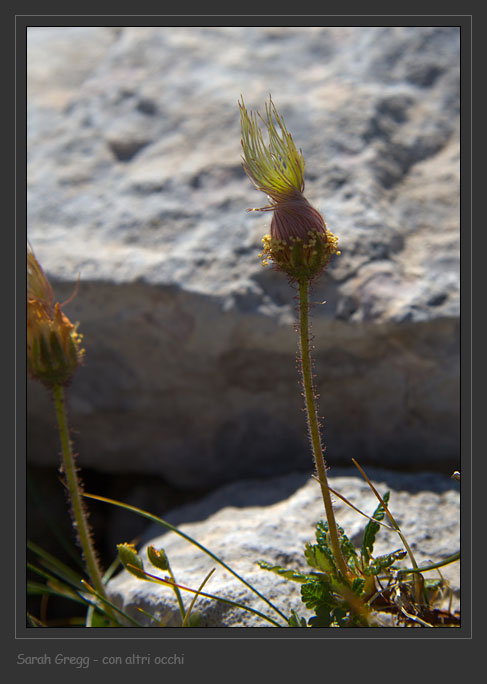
[135, 183]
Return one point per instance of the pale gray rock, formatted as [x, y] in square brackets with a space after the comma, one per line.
[272, 520]
[135, 184]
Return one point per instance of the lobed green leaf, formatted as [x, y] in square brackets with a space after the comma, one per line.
[293, 575]
[296, 621]
[383, 562]
[320, 557]
[371, 530]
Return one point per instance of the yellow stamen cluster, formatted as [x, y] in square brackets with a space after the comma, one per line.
[298, 258]
[53, 342]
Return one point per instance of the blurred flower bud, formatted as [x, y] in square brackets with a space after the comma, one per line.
[194, 619]
[53, 343]
[158, 558]
[130, 560]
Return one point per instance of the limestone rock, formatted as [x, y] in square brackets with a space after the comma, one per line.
[135, 183]
[271, 520]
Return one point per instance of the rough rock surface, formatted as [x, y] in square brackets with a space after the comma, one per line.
[272, 520]
[135, 183]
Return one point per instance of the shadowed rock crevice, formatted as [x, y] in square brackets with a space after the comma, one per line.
[221, 397]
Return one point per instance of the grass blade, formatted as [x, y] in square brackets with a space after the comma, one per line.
[191, 605]
[349, 503]
[168, 526]
[159, 622]
[34, 622]
[90, 615]
[61, 569]
[38, 589]
[417, 583]
[110, 604]
[160, 580]
[433, 566]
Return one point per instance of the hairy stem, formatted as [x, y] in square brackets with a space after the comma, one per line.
[179, 598]
[313, 424]
[75, 492]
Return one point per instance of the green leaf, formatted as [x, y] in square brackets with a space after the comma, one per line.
[294, 575]
[99, 620]
[320, 557]
[296, 621]
[330, 608]
[382, 562]
[348, 549]
[322, 533]
[371, 530]
[358, 585]
[342, 616]
[317, 593]
[323, 617]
